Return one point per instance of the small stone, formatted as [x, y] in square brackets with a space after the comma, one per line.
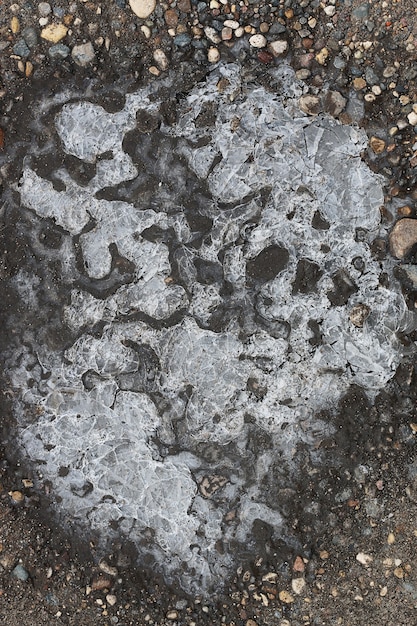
[286, 597]
[30, 36]
[297, 585]
[412, 118]
[278, 47]
[172, 615]
[20, 573]
[298, 565]
[310, 104]
[17, 496]
[160, 59]
[257, 41]
[111, 599]
[251, 622]
[21, 48]
[171, 18]
[330, 10]
[184, 5]
[403, 237]
[54, 32]
[183, 40]
[100, 583]
[227, 34]
[322, 56]
[361, 12]
[359, 314]
[334, 103]
[383, 592]
[399, 572]
[142, 8]
[377, 144]
[108, 569]
[44, 9]
[364, 559]
[59, 51]
[83, 54]
[15, 25]
[323, 554]
[28, 69]
[212, 34]
[391, 539]
[213, 55]
[359, 83]
[270, 577]
[233, 24]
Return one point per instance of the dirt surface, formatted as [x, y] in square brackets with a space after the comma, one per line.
[356, 522]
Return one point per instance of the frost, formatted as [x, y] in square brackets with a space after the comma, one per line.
[212, 296]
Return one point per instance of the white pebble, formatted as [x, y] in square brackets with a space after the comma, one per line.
[161, 59]
[213, 55]
[142, 8]
[257, 41]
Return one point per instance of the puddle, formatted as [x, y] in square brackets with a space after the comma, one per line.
[197, 290]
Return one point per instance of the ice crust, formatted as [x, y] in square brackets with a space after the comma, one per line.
[131, 412]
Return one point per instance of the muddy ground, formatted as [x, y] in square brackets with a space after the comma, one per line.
[355, 522]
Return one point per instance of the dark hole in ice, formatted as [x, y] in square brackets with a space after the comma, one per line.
[268, 263]
[317, 337]
[318, 222]
[146, 122]
[81, 171]
[306, 277]
[208, 272]
[344, 288]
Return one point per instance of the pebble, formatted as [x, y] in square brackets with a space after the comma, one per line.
[83, 54]
[20, 573]
[297, 585]
[172, 615]
[142, 8]
[59, 51]
[310, 104]
[107, 569]
[322, 56]
[364, 559]
[335, 103]
[257, 41]
[359, 83]
[15, 25]
[298, 565]
[286, 597]
[377, 145]
[21, 48]
[412, 118]
[44, 9]
[213, 55]
[182, 40]
[160, 59]
[278, 47]
[30, 36]
[17, 496]
[54, 32]
[111, 599]
[403, 237]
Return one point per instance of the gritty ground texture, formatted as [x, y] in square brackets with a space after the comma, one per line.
[355, 523]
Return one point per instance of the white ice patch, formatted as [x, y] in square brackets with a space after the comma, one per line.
[128, 413]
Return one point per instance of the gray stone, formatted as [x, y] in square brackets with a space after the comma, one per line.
[183, 40]
[30, 36]
[44, 9]
[361, 12]
[20, 573]
[21, 48]
[59, 51]
[83, 54]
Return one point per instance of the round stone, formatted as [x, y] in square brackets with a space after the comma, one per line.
[142, 8]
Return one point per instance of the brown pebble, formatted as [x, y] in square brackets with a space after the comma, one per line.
[265, 57]
[172, 615]
[251, 622]
[298, 565]
[403, 237]
[101, 583]
[184, 5]
[16, 496]
[307, 42]
[171, 18]
[404, 211]
[227, 33]
[377, 145]
[359, 83]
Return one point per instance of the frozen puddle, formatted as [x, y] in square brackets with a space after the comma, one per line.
[210, 287]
